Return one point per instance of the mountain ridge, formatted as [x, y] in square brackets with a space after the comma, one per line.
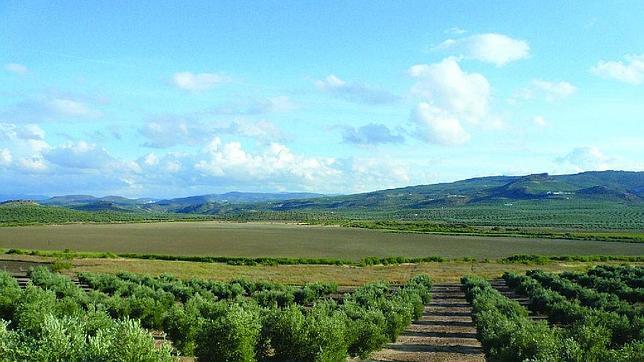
[617, 186]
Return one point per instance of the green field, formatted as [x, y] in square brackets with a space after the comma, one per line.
[288, 240]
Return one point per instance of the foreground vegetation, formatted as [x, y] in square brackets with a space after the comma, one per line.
[588, 325]
[236, 321]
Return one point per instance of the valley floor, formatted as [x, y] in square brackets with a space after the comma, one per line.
[289, 240]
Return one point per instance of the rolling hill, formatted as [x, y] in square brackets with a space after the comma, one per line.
[608, 186]
[599, 200]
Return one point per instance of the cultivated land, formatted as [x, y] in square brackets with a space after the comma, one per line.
[289, 240]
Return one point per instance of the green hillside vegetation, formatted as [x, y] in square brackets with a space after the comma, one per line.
[27, 213]
[608, 204]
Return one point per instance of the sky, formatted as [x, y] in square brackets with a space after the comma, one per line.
[177, 98]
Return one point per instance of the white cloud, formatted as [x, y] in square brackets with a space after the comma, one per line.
[447, 86]
[151, 159]
[370, 134]
[31, 132]
[492, 48]
[5, 157]
[16, 68]
[33, 164]
[25, 144]
[170, 132]
[355, 92]
[540, 121]
[554, 90]
[198, 82]
[232, 161]
[71, 108]
[543, 89]
[262, 130]
[437, 126]
[370, 173]
[80, 155]
[587, 159]
[629, 71]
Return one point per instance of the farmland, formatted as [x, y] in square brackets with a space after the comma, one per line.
[583, 322]
[248, 320]
[288, 240]
[590, 314]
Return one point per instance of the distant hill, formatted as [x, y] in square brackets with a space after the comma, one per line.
[192, 204]
[617, 186]
[620, 187]
[594, 200]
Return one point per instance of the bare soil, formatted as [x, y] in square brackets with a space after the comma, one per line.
[446, 332]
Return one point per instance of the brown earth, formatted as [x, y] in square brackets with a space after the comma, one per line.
[445, 332]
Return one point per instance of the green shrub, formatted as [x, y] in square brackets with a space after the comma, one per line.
[230, 337]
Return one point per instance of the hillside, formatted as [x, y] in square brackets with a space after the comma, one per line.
[606, 186]
[590, 200]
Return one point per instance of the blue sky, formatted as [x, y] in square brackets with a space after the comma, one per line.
[169, 98]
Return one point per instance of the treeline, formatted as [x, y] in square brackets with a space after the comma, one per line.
[236, 321]
[367, 261]
[21, 214]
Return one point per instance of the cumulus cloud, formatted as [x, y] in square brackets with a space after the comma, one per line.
[262, 130]
[81, 155]
[447, 86]
[276, 161]
[371, 173]
[170, 132]
[630, 71]
[554, 90]
[151, 159]
[31, 132]
[5, 157]
[587, 159]
[370, 134]
[16, 68]
[198, 82]
[32, 164]
[437, 126]
[25, 145]
[542, 89]
[354, 92]
[71, 108]
[491, 48]
[49, 108]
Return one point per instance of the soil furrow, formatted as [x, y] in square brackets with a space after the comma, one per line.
[445, 332]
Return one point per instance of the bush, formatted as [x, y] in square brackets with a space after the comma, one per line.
[230, 337]
[318, 335]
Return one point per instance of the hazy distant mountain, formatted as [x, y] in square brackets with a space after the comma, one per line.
[190, 204]
[613, 186]
[8, 197]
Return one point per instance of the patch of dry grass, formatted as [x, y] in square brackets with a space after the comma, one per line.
[298, 274]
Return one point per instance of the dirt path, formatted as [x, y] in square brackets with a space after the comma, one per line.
[445, 332]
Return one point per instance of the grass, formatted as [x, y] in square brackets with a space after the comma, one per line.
[290, 241]
[449, 271]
